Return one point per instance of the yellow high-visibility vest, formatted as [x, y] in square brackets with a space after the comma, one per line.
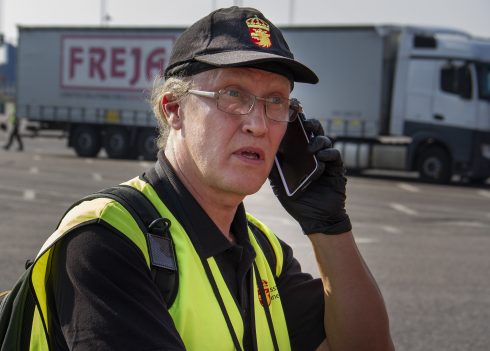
[206, 319]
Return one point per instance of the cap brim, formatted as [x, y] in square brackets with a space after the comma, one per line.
[300, 72]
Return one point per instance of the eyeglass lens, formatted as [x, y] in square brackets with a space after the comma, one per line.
[236, 101]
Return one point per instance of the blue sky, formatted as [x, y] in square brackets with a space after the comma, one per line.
[472, 16]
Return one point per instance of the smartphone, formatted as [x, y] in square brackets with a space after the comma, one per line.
[294, 163]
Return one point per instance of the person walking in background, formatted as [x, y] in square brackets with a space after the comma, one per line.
[14, 132]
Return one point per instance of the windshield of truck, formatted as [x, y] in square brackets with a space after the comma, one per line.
[484, 81]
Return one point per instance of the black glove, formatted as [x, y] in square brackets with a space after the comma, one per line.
[320, 208]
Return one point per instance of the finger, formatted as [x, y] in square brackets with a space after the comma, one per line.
[313, 126]
[329, 155]
[318, 172]
[318, 143]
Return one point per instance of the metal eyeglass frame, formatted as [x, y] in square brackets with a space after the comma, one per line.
[294, 105]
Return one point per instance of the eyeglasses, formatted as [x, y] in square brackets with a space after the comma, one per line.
[236, 101]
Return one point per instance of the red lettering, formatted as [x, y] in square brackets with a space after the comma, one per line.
[117, 62]
[97, 57]
[136, 53]
[155, 61]
[112, 64]
[75, 59]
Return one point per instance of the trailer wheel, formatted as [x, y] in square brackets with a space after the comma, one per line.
[86, 141]
[434, 165]
[477, 180]
[116, 142]
[147, 144]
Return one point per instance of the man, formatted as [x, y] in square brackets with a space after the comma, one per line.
[14, 132]
[223, 110]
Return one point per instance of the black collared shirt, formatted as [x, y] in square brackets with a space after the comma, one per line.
[103, 296]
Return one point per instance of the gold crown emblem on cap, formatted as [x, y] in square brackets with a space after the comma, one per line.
[258, 23]
[259, 32]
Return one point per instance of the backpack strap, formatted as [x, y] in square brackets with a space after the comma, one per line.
[158, 238]
[16, 311]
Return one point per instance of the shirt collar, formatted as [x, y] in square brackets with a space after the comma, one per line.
[204, 234]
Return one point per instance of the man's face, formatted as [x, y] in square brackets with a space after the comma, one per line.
[230, 154]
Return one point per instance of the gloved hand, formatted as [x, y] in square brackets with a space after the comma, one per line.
[320, 208]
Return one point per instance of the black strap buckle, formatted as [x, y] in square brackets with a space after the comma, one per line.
[160, 245]
[160, 226]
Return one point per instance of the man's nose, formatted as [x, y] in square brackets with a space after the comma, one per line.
[256, 122]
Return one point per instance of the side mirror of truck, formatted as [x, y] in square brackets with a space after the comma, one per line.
[464, 82]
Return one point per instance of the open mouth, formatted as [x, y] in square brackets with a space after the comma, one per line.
[250, 155]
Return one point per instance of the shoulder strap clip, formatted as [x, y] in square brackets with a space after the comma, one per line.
[160, 226]
[160, 244]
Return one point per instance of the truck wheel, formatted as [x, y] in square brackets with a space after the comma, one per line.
[86, 141]
[147, 144]
[434, 165]
[477, 180]
[116, 143]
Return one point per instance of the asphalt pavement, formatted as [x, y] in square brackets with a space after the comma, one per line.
[427, 245]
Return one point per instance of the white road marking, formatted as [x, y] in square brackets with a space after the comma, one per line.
[43, 192]
[33, 170]
[403, 209]
[474, 224]
[484, 193]
[145, 164]
[10, 197]
[391, 230]
[365, 240]
[307, 245]
[300, 245]
[97, 177]
[29, 194]
[286, 221]
[408, 187]
[36, 200]
[281, 220]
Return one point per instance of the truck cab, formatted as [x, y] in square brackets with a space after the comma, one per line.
[441, 101]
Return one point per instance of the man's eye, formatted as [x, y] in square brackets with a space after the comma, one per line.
[276, 100]
[233, 93]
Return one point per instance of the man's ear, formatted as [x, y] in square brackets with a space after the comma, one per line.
[171, 110]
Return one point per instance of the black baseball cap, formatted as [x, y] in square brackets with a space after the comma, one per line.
[235, 37]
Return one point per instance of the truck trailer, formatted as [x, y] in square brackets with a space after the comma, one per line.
[93, 84]
[391, 97]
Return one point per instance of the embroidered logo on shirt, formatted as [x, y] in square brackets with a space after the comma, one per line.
[265, 285]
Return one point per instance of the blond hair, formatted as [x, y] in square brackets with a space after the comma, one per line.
[177, 87]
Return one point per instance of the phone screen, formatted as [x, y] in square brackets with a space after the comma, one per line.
[293, 161]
